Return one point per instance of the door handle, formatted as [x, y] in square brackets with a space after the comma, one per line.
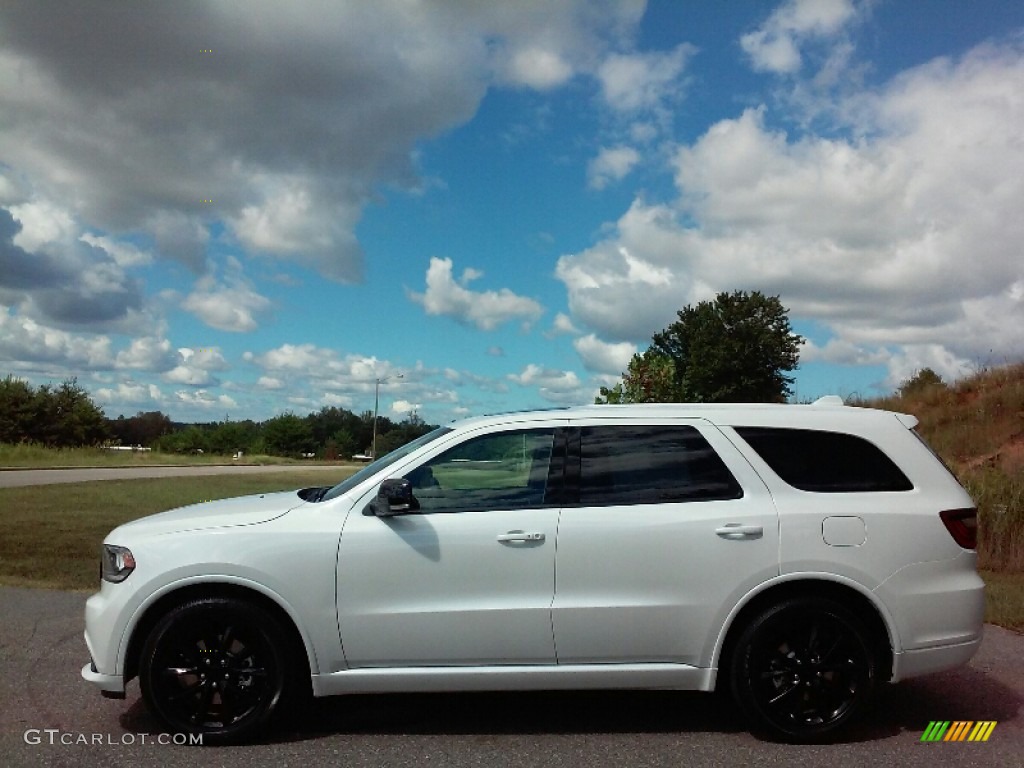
[736, 531]
[520, 536]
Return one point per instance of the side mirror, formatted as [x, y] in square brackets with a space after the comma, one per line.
[394, 497]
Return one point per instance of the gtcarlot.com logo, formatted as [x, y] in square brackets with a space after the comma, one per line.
[958, 730]
[55, 736]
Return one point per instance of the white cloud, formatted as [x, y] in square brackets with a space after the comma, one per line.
[194, 377]
[905, 233]
[123, 254]
[402, 407]
[203, 399]
[286, 130]
[128, 393]
[603, 357]
[148, 353]
[270, 382]
[611, 164]
[563, 387]
[230, 305]
[637, 81]
[775, 45]
[486, 310]
[24, 342]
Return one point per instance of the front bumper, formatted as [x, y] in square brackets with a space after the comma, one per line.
[111, 686]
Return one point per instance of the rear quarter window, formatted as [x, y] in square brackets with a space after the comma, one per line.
[825, 462]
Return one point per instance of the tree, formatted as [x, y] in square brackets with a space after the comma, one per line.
[736, 348]
[17, 410]
[924, 379]
[288, 435]
[66, 416]
[650, 378]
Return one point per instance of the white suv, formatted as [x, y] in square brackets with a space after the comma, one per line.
[795, 556]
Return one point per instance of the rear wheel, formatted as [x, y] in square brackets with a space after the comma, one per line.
[803, 669]
[217, 667]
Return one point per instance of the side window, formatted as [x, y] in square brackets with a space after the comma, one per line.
[825, 462]
[505, 470]
[647, 464]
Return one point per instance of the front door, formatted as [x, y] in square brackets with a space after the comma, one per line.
[468, 578]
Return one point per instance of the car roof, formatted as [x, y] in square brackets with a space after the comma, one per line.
[823, 413]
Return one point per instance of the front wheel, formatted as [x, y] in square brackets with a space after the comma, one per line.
[216, 667]
[803, 669]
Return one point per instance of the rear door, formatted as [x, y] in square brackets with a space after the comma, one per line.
[665, 528]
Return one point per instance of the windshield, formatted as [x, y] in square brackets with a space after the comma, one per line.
[384, 461]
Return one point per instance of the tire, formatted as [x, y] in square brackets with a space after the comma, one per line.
[803, 669]
[217, 667]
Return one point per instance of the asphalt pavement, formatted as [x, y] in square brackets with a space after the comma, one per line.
[50, 717]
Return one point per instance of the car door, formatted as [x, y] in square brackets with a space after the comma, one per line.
[468, 578]
[668, 528]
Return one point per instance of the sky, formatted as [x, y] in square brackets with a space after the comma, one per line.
[237, 208]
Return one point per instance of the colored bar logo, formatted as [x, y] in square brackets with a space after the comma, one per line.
[958, 730]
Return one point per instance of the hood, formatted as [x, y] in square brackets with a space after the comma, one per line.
[244, 510]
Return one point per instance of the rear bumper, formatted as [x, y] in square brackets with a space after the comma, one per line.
[928, 660]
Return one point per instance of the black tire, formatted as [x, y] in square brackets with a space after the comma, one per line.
[803, 669]
[217, 667]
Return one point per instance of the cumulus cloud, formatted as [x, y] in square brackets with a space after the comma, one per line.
[775, 45]
[902, 232]
[611, 164]
[636, 81]
[603, 357]
[25, 344]
[231, 304]
[60, 278]
[279, 119]
[562, 387]
[484, 309]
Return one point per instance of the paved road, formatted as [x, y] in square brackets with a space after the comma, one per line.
[19, 477]
[41, 652]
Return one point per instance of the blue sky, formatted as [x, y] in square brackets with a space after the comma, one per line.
[235, 209]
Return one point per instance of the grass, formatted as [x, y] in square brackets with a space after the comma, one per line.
[1004, 599]
[33, 456]
[52, 533]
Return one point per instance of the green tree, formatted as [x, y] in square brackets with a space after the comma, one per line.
[924, 379]
[650, 378]
[288, 435]
[17, 410]
[67, 417]
[737, 348]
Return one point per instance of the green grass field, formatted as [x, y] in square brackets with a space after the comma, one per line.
[52, 533]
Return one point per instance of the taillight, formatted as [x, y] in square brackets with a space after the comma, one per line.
[962, 525]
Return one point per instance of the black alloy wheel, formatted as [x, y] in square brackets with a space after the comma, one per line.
[216, 667]
[803, 669]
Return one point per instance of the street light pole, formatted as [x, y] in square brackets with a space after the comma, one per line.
[376, 406]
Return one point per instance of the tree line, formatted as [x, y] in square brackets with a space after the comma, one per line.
[64, 416]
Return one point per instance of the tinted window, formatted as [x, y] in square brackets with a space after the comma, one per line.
[825, 462]
[507, 470]
[634, 464]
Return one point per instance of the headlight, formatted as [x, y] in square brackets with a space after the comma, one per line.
[116, 563]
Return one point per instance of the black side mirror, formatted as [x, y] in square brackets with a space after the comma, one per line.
[394, 497]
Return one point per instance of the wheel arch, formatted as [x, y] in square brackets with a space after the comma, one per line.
[238, 589]
[848, 593]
